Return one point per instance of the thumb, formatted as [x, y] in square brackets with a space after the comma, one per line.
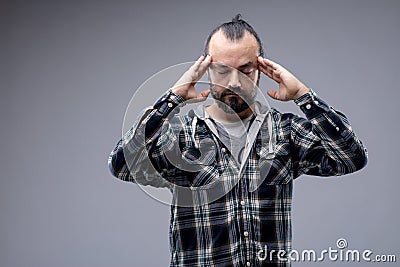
[205, 93]
[273, 94]
[200, 97]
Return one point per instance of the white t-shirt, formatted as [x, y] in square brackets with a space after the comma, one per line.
[234, 136]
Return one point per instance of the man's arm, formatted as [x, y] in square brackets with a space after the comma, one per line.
[140, 155]
[325, 143]
[130, 159]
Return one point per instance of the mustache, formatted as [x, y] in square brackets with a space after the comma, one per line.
[232, 91]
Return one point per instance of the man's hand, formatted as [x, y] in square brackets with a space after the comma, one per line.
[290, 88]
[185, 85]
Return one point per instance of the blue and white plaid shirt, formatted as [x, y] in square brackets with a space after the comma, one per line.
[255, 209]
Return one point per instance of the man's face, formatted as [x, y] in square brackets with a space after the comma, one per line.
[234, 72]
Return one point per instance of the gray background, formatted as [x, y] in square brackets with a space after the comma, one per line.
[69, 69]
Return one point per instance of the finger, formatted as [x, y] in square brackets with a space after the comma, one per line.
[262, 61]
[274, 75]
[196, 65]
[267, 68]
[205, 93]
[204, 64]
[202, 68]
[268, 63]
[192, 74]
[267, 71]
[200, 97]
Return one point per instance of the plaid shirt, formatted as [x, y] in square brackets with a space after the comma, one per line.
[255, 211]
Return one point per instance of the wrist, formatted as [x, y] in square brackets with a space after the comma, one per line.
[180, 92]
[302, 91]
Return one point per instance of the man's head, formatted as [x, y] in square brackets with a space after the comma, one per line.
[234, 47]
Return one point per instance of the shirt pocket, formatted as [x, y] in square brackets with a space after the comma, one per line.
[201, 167]
[274, 168]
[206, 177]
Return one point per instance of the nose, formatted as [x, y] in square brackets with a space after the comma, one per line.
[234, 79]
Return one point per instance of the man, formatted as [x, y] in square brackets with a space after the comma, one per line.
[231, 205]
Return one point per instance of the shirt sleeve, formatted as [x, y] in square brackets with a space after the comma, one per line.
[324, 144]
[131, 160]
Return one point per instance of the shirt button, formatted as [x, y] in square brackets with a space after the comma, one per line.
[242, 203]
[337, 129]
[308, 106]
[248, 263]
[246, 233]
[170, 105]
[223, 150]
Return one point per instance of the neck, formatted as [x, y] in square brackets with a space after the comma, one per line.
[219, 114]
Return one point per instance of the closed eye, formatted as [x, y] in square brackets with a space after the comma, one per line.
[222, 72]
[247, 72]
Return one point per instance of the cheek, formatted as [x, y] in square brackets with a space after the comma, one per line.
[218, 89]
[249, 83]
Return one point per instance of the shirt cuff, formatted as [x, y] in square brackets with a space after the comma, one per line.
[168, 102]
[311, 104]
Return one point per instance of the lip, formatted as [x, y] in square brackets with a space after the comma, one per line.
[232, 93]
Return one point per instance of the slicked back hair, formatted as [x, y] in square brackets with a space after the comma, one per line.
[234, 30]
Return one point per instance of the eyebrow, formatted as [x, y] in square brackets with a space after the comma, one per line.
[221, 65]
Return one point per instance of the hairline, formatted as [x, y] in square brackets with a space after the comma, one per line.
[235, 39]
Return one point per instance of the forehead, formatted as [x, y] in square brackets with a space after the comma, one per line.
[233, 53]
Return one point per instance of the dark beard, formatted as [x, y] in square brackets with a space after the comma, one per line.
[231, 102]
